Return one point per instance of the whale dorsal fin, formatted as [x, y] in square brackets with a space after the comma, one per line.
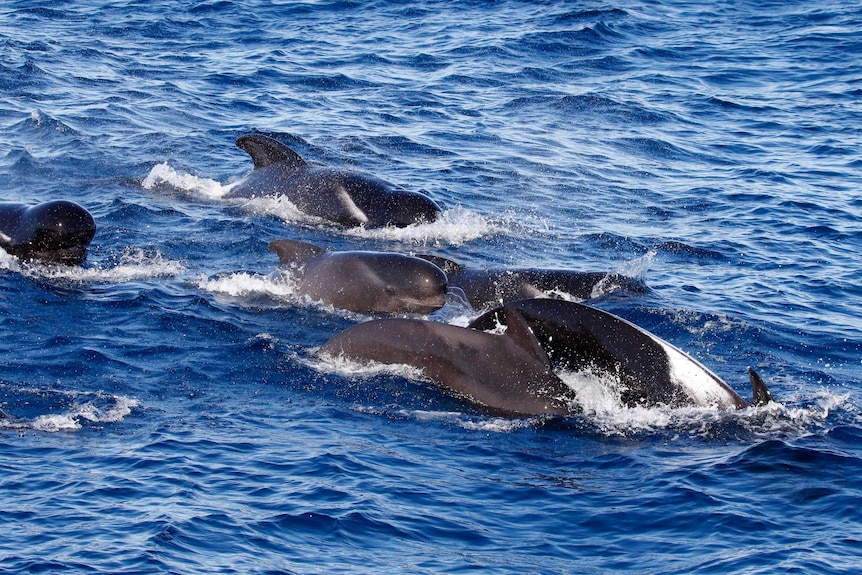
[520, 333]
[295, 252]
[447, 265]
[762, 395]
[265, 151]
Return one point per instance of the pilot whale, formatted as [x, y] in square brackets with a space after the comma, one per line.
[57, 231]
[514, 373]
[492, 287]
[650, 370]
[505, 374]
[364, 281]
[345, 197]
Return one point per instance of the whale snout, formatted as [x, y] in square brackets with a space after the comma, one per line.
[433, 288]
[411, 285]
[420, 290]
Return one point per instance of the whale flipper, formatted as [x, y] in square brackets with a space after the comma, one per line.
[293, 252]
[265, 151]
[762, 395]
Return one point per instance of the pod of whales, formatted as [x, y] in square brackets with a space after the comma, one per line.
[341, 196]
[492, 287]
[363, 281]
[57, 231]
[513, 373]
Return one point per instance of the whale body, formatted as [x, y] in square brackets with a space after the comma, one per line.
[506, 374]
[492, 287]
[650, 370]
[344, 197]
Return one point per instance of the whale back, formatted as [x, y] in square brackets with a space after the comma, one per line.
[496, 286]
[295, 252]
[504, 374]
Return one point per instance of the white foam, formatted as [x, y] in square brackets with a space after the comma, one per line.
[638, 267]
[97, 408]
[456, 311]
[635, 269]
[164, 175]
[455, 226]
[274, 290]
[361, 369]
[244, 284]
[282, 208]
[133, 264]
[9, 262]
[596, 393]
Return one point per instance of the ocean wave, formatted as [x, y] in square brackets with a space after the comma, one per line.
[131, 264]
[54, 411]
[163, 176]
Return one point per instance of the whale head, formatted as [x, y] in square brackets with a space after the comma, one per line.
[58, 231]
[364, 281]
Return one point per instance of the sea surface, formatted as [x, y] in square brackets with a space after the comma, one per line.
[166, 408]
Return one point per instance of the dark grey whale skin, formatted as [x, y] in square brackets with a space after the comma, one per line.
[580, 337]
[363, 281]
[512, 374]
[56, 231]
[506, 375]
[343, 197]
[486, 288]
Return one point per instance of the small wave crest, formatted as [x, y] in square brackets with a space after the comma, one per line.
[164, 176]
[276, 289]
[363, 369]
[604, 410]
[131, 265]
[69, 410]
[455, 226]
[278, 285]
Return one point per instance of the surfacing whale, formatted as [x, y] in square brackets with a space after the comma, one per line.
[650, 370]
[492, 287]
[513, 373]
[507, 375]
[345, 197]
[57, 231]
[364, 281]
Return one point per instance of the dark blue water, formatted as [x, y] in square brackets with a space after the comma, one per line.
[168, 413]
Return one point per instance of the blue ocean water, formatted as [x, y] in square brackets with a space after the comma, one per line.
[168, 414]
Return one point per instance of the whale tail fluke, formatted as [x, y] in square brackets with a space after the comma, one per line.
[762, 395]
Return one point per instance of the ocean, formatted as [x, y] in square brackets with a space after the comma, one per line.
[167, 411]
